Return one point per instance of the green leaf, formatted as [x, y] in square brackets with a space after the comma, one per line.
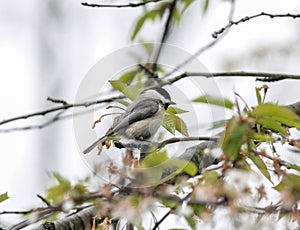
[258, 96]
[129, 91]
[175, 110]
[169, 124]
[172, 122]
[183, 166]
[262, 137]
[186, 3]
[138, 26]
[198, 209]
[176, 16]
[275, 117]
[294, 166]
[270, 109]
[3, 197]
[122, 102]
[290, 183]
[78, 191]
[260, 164]
[155, 158]
[270, 123]
[148, 15]
[57, 192]
[60, 179]
[128, 77]
[160, 158]
[213, 100]
[205, 7]
[191, 222]
[288, 122]
[235, 134]
[180, 126]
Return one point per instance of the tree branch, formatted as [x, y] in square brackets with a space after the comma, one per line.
[248, 18]
[131, 4]
[184, 139]
[257, 75]
[58, 108]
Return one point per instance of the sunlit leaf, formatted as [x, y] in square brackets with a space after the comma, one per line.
[176, 15]
[3, 197]
[155, 158]
[122, 102]
[169, 124]
[262, 137]
[180, 125]
[235, 134]
[138, 26]
[294, 166]
[172, 122]
[198, 209]
[213, 100]
[183, 165]
[258, 96]
[205, 6]
[175, 110]
[288, 122]
[290, 183]
[269, 109]
[150, 15]
[57, 192]
[129, 91]
[128, 76]
[78, 191]
[160, 158]
[270, 123]
[260, 164]
[191, 222]
[186, 3]
[60, 178]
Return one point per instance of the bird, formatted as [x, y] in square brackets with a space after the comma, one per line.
[141, 119]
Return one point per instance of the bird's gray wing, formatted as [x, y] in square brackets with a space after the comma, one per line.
[141, 111]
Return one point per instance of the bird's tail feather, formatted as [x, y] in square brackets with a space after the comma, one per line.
[92, 146]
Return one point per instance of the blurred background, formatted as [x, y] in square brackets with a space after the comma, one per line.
[47, 47]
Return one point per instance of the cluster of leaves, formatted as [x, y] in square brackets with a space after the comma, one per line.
[245, 132]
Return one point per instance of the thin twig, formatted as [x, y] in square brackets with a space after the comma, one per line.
[248, 18]
[235, 74]
[131, 4]
[62, 107]
[58, 101]
[44, 200]
[156, 226]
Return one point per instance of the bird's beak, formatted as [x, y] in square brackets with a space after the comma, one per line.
[172, 103]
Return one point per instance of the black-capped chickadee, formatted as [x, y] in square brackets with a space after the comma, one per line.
[142, 118]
